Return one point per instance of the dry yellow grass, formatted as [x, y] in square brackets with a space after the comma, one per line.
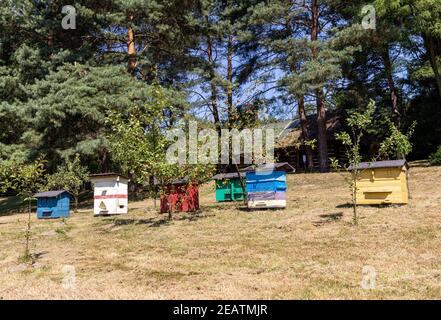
[308, 251]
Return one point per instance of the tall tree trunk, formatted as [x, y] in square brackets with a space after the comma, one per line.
[320, 96]
[214, 108]
[302, 113]
[131, 48]
[305, 134]
[385, 55]
[230, 80]
[322, 133]
[430, 45]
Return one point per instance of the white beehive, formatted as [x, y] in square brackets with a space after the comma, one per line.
[110, 194]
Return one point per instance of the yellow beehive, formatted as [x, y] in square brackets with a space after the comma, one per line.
[383, 182]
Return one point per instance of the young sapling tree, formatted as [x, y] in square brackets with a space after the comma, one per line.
[27, 179]
[70, 177]
[358, 123]
[396, 145]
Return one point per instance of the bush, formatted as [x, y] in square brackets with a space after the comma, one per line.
[435, 158]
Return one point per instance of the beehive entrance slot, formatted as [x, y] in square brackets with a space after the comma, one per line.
[47, 213]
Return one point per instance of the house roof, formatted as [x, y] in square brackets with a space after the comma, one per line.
[279, 127]
[380, 164]
[49, 194]
[230, 175]
[292, 132]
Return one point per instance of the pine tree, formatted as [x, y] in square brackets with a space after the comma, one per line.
[310, 54]
[57, 85]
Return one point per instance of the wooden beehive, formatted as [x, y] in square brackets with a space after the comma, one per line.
[229, 187]
[383, 182]
[110, 194]
[266, 186]
[180, 196]
[52, 204]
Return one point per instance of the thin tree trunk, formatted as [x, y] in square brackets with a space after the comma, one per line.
[321, 111]
[391, 83]
[430, 45]
[76, 203]
[230, 80]
[354, 196]
[305, 134]
[27, 255]
[131, 48]
[322, 133]
[214, 107]
[242, 184]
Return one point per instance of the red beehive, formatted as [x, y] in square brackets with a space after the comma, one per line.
[180, 196]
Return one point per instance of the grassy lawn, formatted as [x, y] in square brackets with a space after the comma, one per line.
[308, 251]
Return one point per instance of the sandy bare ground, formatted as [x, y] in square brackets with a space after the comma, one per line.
[308, 251]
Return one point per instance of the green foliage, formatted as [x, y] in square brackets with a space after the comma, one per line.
[139, 143]
[28, 179]
[358, 123]
[398, 144]
[25, 179]
[70, 177]
[435, 158]
[6, 170]
[57, 86]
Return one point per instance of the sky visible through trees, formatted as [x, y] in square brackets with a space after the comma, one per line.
[220, 62]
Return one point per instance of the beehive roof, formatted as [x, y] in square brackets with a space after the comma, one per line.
[107, 175]
[380, 164]
[49, 194]
[230, 175]
[282, 166]
[179, 181]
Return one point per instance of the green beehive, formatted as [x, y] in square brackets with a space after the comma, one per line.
[228, 187]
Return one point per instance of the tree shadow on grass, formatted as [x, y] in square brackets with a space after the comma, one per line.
[384, 205]
[151, 222]
[195, 216]
[344, 206]
[328, 218]
[33, 257]
[14, 205]
[85, 201]
[246, 209]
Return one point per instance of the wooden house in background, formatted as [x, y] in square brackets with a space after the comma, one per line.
[289, 147]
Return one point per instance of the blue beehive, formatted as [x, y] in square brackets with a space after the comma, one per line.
[52, 204]
[262, 182]
[266, 186]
